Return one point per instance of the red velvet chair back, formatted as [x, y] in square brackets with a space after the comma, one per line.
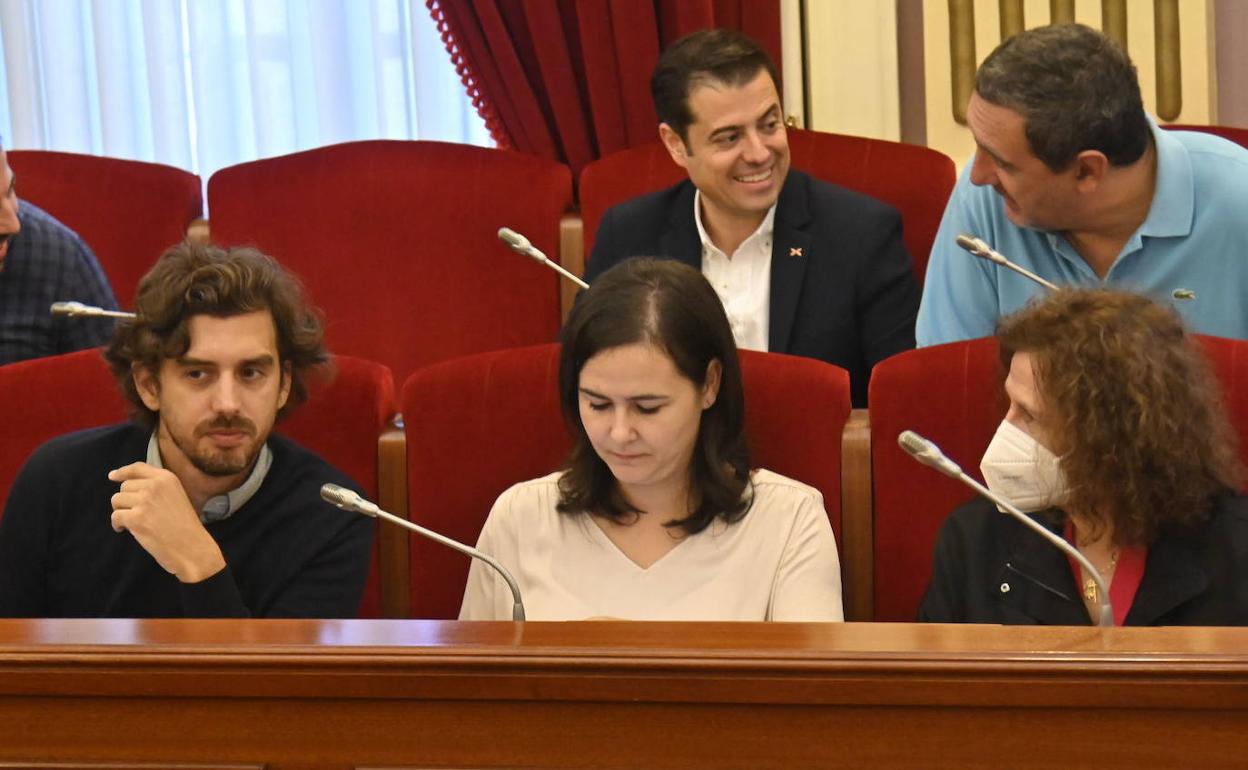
[795, 414]
[397, 242]
[127, 211]
[474, 427]
[341, 421]
[952, 395]
[1233, 133]
[916, 180]
[1230, 363]
[44, 397]
[477, 425]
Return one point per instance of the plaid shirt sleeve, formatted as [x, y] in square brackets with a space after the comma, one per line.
[83, 279]
[47, 262]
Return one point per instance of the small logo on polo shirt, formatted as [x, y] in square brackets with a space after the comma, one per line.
[795, 251]
[1183, 294]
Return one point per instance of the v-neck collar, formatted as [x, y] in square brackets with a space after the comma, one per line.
[601, 535]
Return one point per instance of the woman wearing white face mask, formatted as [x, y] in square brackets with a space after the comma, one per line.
[658, 515]
[1115, 438]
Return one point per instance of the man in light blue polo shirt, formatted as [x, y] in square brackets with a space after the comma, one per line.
[1073, 181]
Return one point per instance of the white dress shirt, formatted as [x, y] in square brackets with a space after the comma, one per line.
[743, 282]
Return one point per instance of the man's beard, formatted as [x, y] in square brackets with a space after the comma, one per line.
[223, 463]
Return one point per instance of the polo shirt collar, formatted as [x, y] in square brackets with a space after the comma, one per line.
[221, 507]
[1174, 197]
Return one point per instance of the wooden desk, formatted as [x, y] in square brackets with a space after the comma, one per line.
[430, 694]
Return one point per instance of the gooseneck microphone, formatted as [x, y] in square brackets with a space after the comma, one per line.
[350, 501]
[929, 454]
[521, 245]
[980, 248]
[77, 309]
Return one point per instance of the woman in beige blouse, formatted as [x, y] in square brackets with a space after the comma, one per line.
[657, 514]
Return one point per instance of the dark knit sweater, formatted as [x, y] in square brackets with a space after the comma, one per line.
[287, 552]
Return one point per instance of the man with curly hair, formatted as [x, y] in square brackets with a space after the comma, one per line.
[1116, 437]
[195, 509]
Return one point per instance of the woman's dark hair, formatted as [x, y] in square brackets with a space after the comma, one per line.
[1132, 406]
[671, 307]
[197, 279]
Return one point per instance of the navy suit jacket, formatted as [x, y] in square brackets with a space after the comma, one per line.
[842, 287]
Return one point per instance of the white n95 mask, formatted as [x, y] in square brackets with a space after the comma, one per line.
[1022, 471]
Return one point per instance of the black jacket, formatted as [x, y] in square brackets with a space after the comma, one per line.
[989, 568]
[842, 286]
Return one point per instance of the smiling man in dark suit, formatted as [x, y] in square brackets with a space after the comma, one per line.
[802, 266]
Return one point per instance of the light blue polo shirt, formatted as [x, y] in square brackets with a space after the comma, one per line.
[1191, 251]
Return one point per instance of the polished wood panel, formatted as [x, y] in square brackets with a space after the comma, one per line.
[393, 542]
[121, 766]
[646, 695]
[572, 257]
[857, 519]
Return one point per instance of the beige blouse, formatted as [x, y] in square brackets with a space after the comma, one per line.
[779, 562]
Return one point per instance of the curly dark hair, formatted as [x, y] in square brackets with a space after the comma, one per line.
[1076, 90]
[671, 306]
[193, 279]
[1133, 408]
[717, 55]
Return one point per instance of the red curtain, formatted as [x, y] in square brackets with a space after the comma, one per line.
[570, 79]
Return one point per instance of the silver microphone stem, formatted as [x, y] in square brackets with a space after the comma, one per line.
[1105, 611]
[348, 500]
[77, 309]
[521, 245]
[561, 270]
[980, 248]
[929, 454]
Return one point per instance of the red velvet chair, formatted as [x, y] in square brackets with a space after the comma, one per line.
[45, 397]
[127, 211]
[1233, 133]
[397, 242]
[477, 425]
[916, 180]
[952, 394]
[342, 419]
[1230, 363]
